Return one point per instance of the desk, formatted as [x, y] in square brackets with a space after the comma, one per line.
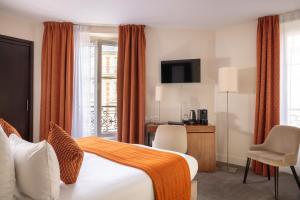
[201, 144]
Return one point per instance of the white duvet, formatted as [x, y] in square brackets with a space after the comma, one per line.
[102, 179]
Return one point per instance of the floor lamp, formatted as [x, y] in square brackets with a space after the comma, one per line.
[228, 82]
[158, 95]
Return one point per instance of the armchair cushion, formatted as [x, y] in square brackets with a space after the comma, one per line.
[257, 147]
[272, 158]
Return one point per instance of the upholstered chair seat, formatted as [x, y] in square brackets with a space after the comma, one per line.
[171, 137]
[280, 149]
[272, 158]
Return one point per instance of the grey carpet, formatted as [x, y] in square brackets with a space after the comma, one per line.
[225, 186]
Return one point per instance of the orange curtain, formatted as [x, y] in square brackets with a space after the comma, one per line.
[267, 83]
[131, 83]
[57, 77]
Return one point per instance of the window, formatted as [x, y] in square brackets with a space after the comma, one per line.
[290, 73]
[108, 92]
[90, 122]
[95, 78]
[103, 92]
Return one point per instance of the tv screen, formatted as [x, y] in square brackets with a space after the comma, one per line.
[180, 71]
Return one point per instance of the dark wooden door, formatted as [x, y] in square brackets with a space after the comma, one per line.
[16, 67]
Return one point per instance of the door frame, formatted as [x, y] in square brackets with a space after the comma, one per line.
[30, 44]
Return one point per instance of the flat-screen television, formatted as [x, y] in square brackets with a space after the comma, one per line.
[181, 71]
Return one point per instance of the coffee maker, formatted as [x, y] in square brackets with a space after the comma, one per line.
[202, 117]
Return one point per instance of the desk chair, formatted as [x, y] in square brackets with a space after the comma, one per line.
[171, 137]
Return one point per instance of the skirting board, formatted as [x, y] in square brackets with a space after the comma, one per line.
[194, 192]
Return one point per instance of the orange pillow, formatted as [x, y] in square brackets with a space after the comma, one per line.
[8, 128]
[68, 153]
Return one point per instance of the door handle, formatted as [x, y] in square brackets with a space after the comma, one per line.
[27, 105]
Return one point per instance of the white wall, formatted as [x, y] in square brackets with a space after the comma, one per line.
[233, 46]
[29, 30]
[236, 47]
[168, 44]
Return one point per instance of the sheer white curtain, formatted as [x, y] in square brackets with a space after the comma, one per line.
[84, 99]
[290, 71]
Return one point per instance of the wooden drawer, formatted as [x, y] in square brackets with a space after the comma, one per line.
[202, 147]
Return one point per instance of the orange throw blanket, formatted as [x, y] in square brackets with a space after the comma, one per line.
[169, 172]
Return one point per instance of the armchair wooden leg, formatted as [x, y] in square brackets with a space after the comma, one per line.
[247, 169]
[276, 176]
[296, 176]
[268, 170]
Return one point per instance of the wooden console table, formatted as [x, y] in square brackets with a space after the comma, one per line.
[201, 144]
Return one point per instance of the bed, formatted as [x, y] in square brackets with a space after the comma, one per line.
[102, 179]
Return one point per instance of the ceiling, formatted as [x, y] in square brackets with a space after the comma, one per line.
[204, 14]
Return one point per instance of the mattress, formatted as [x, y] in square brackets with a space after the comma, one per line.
[102, 179]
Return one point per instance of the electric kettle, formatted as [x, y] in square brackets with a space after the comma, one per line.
[192, 116]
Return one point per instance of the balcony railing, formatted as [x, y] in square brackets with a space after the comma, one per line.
[294, 117]
[108, 119]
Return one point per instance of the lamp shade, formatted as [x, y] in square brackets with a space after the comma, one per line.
[228, 79]
[158, 93]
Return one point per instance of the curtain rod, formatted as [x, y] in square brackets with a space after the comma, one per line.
[110, 26]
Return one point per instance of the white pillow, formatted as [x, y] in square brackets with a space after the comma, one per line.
[37, 169]
[7, 170]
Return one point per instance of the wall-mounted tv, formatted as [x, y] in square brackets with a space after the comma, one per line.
[181, 71]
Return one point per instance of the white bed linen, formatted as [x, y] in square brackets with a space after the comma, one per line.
[102, 179]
